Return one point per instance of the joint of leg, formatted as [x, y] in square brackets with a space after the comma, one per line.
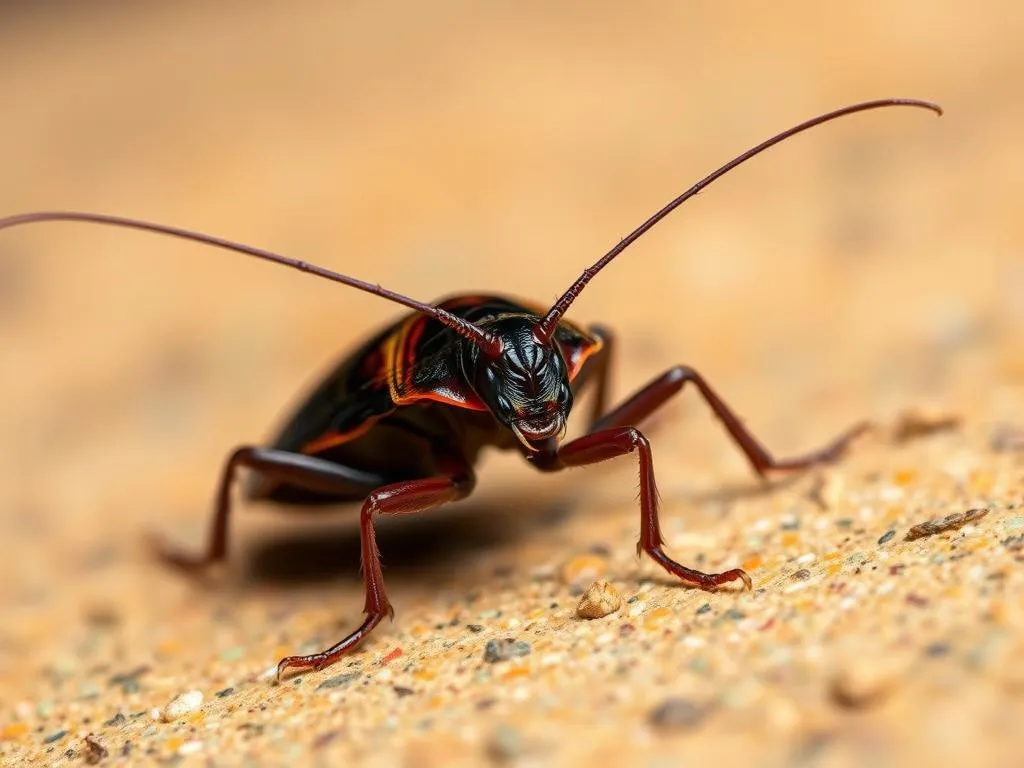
[680, 374]
[637, 439]
[240, 454]
[371, 507]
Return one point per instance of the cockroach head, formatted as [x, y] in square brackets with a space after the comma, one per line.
[526, 386]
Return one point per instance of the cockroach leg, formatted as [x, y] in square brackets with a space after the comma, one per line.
[657, 392]
[618, 441]
[402, 498]
[283, 466]
[613, 435]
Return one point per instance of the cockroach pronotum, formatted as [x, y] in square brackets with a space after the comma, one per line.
[399, 422]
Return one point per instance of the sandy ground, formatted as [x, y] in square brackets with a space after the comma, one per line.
[869, 269]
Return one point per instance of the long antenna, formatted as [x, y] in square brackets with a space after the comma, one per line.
[546, 328]
[487, 342]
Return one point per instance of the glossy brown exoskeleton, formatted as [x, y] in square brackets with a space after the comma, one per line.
[399, 423]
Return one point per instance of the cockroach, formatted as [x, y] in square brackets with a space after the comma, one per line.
[399, 423]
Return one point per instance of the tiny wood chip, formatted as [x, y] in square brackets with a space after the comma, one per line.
[947, 523]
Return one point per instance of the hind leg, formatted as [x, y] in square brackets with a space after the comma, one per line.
[293, 468]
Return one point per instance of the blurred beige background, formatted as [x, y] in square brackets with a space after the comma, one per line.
[454, 146]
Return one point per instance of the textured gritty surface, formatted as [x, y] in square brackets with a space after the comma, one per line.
[866, 270]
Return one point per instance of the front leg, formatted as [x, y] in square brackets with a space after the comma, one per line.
[404, 498]
[617, 441]
[657, 392]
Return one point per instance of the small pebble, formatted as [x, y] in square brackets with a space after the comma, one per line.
[937, 649]
[1013, 543]
[94, 752]
[802, 575]
[88, 690]
[1007, 438]
[600, 600]
[182, 705]
[224, 693]
[116, 721]
[505, 744]
[129, 681]
[703, 609]
[921, 423]
[401, 691]
[475, 628]
[326, 738]
[887, 536]
[677, 714]
[863, 682]
[337, 681]
[503, 650]
[102, 616]
[55, 736]
[13, 731]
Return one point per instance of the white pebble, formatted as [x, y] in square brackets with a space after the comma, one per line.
[182, 705]
[810, 557]
[692, 641]
[890, 493]
[190, 748]
[637, 609]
